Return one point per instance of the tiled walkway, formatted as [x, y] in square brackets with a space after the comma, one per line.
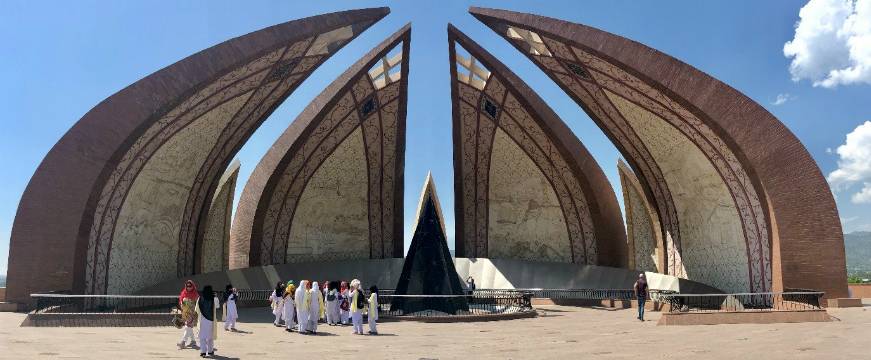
[560, 333]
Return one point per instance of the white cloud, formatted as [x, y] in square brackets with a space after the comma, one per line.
[863, 196]
[828, 150]
[854, 164]
[782, 98]
[832, 43]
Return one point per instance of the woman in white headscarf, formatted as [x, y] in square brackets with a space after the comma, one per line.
[289, 306]
[302, 306]
[356, 308]
[316, 309]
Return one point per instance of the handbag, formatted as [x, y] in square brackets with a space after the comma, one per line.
[177, 319]
[361, 303]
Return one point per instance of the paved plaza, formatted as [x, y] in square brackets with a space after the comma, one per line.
[579, 333]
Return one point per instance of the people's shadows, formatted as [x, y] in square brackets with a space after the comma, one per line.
[603, 308]
[241, 332]
[321, 333]
[554, 310]
[376, 335]
[216, 356]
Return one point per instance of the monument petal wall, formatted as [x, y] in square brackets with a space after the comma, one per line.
[214, 254]
[643, 231]
[525, 186]
[140, 170]
[727, 179]
[331, 187]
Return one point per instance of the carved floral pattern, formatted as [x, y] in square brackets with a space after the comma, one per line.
[379, 123]
[477, 130]
[597, 74]
[119, 183]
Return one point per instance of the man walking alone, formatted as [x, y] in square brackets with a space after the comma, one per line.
[641, 294]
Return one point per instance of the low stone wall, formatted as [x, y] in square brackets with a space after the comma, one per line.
[860, 290]
[608, 303]
[97, 320]
[747, 317]
[844, 302]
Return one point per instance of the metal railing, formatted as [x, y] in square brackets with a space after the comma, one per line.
[579, 294]
[133, 304]
[484, 303]
[478, 304]
[743, 302]
[253, 298]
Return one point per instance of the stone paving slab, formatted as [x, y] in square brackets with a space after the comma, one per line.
[559, 333]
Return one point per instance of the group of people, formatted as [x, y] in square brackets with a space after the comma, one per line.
[200, 307]
[302, 308]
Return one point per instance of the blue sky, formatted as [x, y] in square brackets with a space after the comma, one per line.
[59, 59]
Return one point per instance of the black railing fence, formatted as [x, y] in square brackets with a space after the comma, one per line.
[478, 304]
[743, 302]
[485, 300]
[484, 303]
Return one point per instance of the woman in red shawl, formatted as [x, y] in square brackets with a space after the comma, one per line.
[187, 302]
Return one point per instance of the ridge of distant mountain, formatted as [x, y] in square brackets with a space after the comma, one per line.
[857, 246]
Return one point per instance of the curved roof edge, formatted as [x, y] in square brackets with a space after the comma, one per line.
[604, 208]
[802, 211]
[242, 250]
[50, 233]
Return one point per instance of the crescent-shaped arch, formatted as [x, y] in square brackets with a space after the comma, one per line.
[121, 200]
[526, 188]
[331, 186]
[741, 203]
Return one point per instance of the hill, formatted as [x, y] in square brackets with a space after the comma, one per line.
[858, 248]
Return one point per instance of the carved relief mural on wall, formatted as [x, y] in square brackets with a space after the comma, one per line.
[520, 194]
[145, 164]
[214, 254]
[709, 209]
[172, 180]
[331, 186]
[643, 231]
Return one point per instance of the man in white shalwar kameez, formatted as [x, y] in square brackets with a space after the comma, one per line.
[301, 306]
[317, 303]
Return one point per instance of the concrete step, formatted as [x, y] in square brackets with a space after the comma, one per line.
[8, 307]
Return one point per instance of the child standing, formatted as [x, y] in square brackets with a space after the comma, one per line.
[373, 310]
[230, 312]
[332, 304]
[277, 300]
[344, 302]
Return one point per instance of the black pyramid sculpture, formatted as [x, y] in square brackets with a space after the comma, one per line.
[428, 268]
